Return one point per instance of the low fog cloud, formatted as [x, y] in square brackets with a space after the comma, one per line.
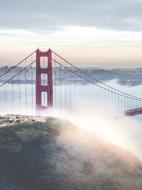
[104, 120]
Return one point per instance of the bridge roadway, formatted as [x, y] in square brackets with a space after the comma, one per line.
[133, 112]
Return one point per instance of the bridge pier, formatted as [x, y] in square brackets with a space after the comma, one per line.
[44, 68]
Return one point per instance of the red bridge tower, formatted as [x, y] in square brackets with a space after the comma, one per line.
[44, 92]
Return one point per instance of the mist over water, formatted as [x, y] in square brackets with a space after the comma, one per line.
[88, 112]
[106, 121]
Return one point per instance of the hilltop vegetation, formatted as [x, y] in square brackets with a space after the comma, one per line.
[55, 155]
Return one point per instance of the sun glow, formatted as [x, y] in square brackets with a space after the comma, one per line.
[101, 125]
[81, 45]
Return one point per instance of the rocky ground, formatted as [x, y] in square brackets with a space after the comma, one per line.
[55, 155]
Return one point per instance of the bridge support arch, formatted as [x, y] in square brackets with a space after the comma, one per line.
[44, 68]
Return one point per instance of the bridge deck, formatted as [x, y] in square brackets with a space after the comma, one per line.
[133, 112]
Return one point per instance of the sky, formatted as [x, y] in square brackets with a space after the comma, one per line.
[103, 33]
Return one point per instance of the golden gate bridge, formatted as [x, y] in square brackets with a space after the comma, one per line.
[45, 80]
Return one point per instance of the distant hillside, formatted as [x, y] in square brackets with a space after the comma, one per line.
[125, 76]
[55, 155]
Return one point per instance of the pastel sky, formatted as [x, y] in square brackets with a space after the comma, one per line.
[103, 33]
